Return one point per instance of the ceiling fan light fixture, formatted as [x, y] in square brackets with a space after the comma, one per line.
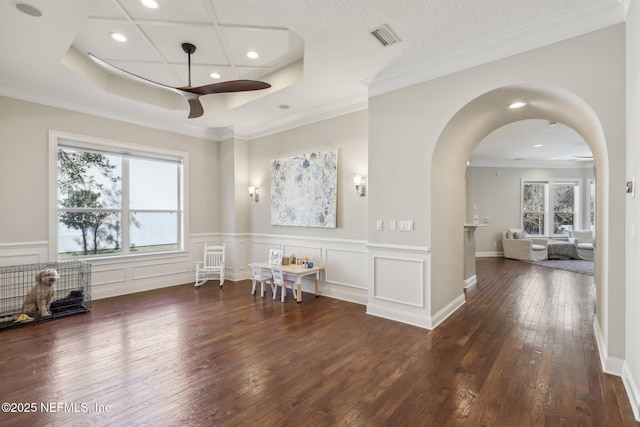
[151, 4]
[252, 54]
[118, 37]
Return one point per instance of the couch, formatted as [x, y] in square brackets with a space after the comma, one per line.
[583, 240]
[516, 245]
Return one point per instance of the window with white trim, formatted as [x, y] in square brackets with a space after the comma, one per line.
[550, 207]
[114, 200]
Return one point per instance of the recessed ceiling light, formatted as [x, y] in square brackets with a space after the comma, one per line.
[118, 37]
[253, 54]
[538, 145]
[215, 75]
[517, 104]
[27, 9]
[151, 4]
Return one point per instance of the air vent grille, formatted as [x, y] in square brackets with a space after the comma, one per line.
[385, 35]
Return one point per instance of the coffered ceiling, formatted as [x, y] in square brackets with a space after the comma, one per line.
[318, 55]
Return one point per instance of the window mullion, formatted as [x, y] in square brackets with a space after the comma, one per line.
[126, 215]
[179, 205]
[548, 211]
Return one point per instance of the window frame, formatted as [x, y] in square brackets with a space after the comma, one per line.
[128, 150]
[549, 208]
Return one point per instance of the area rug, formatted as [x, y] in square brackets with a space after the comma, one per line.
[574, 265]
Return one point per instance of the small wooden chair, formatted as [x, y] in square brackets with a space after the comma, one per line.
[262, 276]
[212, 266]
[279, 280]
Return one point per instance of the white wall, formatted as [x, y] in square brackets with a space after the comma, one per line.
[24, 161]
[342, 250]
[495, 192]
[413, 120]
[347, 134]
[631, 375]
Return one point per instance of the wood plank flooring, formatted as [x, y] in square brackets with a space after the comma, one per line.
[520, 352]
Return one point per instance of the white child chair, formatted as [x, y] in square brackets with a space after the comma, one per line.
[279, 280]
[263, 276]
[212, 266]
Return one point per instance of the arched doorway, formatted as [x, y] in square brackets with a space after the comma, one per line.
[462, 133]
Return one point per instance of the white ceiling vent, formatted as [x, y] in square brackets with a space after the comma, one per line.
[385, 35]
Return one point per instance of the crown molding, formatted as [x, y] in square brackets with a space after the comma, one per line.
[27, 94]
[596, 15]
[357, 102]
[532, 164]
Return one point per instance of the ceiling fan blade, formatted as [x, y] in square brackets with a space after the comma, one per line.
[225, 87]
[191, 94]
[195, 107]
[122, 73]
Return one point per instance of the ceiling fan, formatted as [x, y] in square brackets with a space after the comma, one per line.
[191, 94]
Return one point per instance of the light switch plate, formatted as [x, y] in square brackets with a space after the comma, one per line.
[392, 225]
[406, 225]
[379, 225]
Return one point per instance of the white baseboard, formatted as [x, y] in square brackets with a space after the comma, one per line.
[448, 310]
[470, 281]
[489, 254]
[610, 365]
[400, 316]
[632, 391]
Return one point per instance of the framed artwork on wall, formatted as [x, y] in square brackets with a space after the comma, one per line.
[304, 190]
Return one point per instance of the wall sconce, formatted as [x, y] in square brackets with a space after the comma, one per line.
[359, 181]
[254, 193]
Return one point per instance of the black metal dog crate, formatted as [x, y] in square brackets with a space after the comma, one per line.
[72, 292]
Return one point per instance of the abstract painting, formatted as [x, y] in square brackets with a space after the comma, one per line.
[304, 190]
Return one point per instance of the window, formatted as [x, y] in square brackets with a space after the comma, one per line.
[112, 200]
[550, 207]
[592, 203]
[534, 202]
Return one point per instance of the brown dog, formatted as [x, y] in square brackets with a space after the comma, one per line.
[38, 300]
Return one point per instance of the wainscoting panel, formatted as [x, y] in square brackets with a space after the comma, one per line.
[400, 288]
[159, 269]
[347, 267]
[313, 252]
[399, 280]
[23, 253]
[113, 277]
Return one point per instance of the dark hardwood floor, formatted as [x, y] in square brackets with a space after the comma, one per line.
[520, 352]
